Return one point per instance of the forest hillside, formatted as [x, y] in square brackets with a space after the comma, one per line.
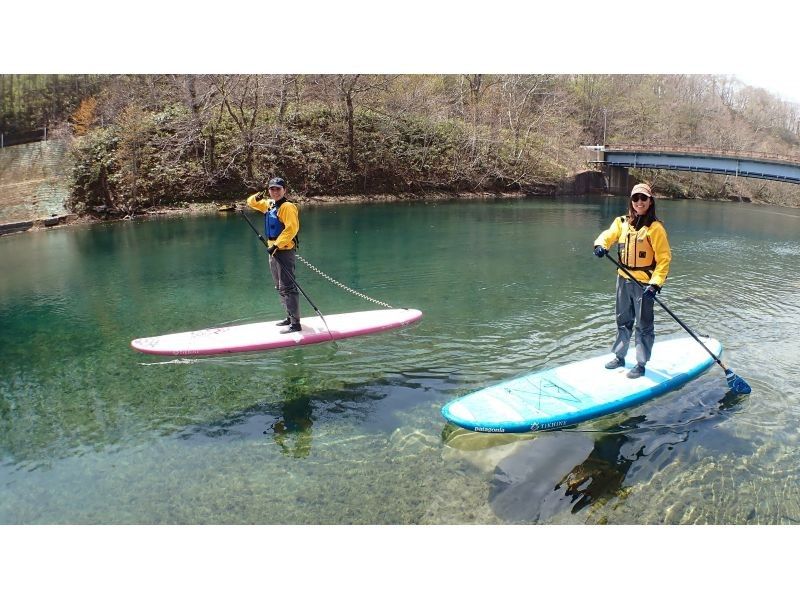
[143, 141]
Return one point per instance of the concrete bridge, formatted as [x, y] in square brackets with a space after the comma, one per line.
[617, 159]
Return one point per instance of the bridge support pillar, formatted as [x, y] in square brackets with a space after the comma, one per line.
[619, 180]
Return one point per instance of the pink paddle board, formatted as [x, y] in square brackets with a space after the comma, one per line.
[262, 336]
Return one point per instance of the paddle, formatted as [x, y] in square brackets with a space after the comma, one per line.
[294, 280]
[735, 383]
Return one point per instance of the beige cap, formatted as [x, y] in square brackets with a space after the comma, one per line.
[642, 188]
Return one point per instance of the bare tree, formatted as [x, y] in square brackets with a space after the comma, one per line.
[350, 88]
[477, 86]
[241, 97]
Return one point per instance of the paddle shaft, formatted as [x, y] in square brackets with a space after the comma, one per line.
[291, 276]
[666, 309]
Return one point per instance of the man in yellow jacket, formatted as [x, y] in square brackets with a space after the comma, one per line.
[281, 225]
[644, 250]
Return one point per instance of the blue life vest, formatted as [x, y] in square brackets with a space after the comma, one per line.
[272, 226]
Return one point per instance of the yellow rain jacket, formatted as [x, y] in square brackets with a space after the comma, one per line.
[645, 252]
[288, 214]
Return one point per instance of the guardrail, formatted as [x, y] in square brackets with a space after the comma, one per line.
[703, 151]
[9, 139]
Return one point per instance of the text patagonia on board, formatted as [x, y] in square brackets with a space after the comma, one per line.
[482, 429]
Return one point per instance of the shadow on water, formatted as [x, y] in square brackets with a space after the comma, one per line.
[292, 432]
[289, 414]
[571, 469]
[288, 423]
[285, 397]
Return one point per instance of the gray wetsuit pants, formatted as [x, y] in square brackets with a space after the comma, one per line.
[281, 264]
[632, 309]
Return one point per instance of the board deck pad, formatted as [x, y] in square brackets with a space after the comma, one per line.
[262, 336]
[579, 391]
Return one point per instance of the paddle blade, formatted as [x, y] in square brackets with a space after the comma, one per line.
[737, 384]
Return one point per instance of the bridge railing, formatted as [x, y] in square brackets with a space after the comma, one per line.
[707, 151]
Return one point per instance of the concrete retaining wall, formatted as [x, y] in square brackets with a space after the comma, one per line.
[34, 181]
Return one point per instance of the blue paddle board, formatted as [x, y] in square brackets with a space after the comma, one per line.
[576, 392]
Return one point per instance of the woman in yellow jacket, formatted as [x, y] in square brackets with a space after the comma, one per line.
[644, 250]
[281, 225]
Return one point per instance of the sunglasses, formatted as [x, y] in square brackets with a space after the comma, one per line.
[639, 198]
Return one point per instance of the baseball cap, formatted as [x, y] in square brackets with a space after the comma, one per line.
[277, 182]
[642, 188]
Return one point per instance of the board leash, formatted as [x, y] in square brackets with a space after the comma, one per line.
[341, 285]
